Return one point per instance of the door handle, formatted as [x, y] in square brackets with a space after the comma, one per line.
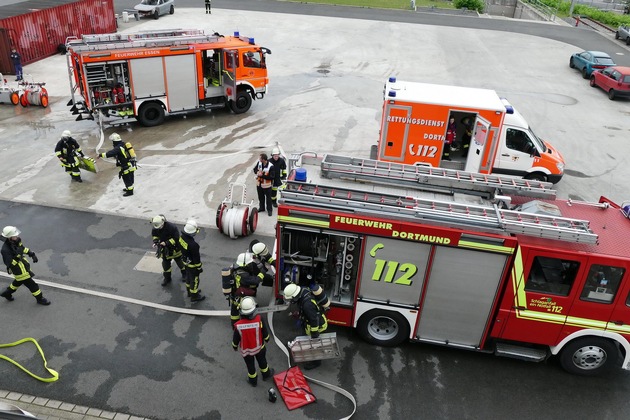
[617, 322]
[505, 154]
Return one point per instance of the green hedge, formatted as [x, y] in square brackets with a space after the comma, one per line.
[469, 4]
[611, 19]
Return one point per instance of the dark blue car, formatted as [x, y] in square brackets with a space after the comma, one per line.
[588, 61]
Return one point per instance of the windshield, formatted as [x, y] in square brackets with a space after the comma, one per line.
[540, 145]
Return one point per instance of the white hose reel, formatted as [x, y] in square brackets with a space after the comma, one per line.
[236, 218]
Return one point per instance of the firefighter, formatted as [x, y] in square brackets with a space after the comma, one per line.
[467, 136]
[449, 139]
[125, 159]
[14, 256]
[311, 315]
[280, 173]
[68, 152]
[17, 63]
[240, 280]
[263, 258]
[265, 175]
[250, 336]
[166, 242]
[208, 7]
[192, 260]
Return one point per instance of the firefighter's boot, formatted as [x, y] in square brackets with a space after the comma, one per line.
[268, 373]
[196, 297]
[41, 300]
[167, 279]
[252, 381]
[7, 294]
[128, 193]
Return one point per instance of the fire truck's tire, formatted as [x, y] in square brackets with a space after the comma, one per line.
[15, 98]
[242, 103]
[383, 328]
[589, 356]
[172, 10]
[151, 114]
[253, 220]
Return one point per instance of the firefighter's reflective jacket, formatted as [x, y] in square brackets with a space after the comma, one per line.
[13, 256]
[170, 236]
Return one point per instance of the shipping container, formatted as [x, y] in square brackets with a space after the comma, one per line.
[39, 28]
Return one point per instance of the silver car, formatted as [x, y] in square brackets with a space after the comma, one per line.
[155, 8]
[623, 33]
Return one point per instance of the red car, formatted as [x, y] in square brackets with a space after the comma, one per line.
[614, 80]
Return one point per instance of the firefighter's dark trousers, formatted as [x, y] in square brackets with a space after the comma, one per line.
[128, 179]
[264, 199]
[261, 358]
[167, 265]
[74, 171]
[192, 281]
[30, 285]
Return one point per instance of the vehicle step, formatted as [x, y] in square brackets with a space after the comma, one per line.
[519, 352]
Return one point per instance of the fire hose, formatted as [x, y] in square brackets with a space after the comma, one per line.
[175, 309]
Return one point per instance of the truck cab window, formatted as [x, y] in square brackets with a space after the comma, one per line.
[252, 59]
[551, 275]
[602, 283]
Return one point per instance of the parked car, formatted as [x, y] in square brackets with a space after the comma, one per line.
[587, 61]
[155, 8]
[614, 80]
[623, 33]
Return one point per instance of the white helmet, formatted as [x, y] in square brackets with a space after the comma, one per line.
[259, 248]
[248, 306]
[158, 221]
[115, 137]
[66, 133]
[244, 259]
[291, 291]
[10, 231]
[191, 227]
[275, 151]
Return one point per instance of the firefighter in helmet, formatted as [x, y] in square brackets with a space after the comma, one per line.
[14, 257]
[125, 159]
[166, 242]
[68, 152]
[250, 336]
[192, 260]
[280, 173]
[263, 258]
[240, 280]
[311, 315]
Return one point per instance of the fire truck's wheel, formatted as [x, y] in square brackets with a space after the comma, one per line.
[151, 114]
[589, 356]
[383, 328]
[537, 176]
[23, 100]
[172, 10]
[15, 98]
[253, 220]
[242, 103]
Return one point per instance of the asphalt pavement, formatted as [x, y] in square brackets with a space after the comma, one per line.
[327, 69]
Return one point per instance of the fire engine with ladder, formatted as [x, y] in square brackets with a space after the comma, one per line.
[150, 74]
[482, 262]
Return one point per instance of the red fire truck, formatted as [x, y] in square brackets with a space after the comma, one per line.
[482, 262]
[150, 74]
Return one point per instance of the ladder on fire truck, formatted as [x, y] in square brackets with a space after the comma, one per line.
[432, 179]
[153, 38]
[450, 214]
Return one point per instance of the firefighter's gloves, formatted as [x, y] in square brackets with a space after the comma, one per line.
[33, 256]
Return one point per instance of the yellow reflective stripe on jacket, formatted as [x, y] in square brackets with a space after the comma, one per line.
[23, 273]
